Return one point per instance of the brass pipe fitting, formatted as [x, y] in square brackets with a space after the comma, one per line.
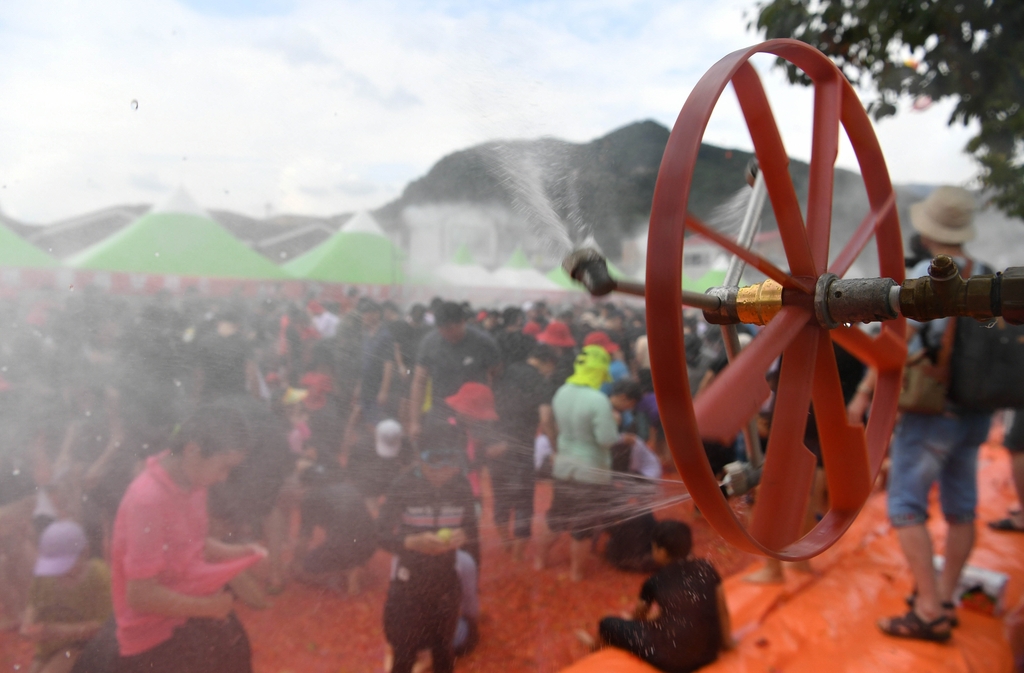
[758, 304]
[944, 293]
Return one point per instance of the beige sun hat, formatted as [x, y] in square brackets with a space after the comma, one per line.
[946, 216]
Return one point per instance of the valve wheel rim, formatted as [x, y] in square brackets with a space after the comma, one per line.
[852, 454]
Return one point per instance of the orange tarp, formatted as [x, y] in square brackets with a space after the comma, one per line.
[826, 621]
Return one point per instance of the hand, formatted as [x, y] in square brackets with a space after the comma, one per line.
[427, 543]
[33, 631]
[627, 438]
[857, 408]
[258, 549]
[220, 605]
[495, 450]
[458, 539]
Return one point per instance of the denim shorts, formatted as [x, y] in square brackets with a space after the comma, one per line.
[926, 449]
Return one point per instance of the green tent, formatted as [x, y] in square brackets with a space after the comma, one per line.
[359, 253]
[711, 278]
[177, 238]
[518, 260]
[17, 252]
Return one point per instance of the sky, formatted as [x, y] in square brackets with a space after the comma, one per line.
[327, 106]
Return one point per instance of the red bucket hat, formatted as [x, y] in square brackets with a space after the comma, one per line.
[601, 339]
[318, 385]
[556, 334]
[474, 400]
[531, 328]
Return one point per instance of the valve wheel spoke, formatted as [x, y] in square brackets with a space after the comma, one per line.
[736, 394]
[773, 162]
[809, 378]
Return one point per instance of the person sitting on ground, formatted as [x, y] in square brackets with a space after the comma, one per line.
[349, 541]
[428, 515]
[681, 620]
[69, 598]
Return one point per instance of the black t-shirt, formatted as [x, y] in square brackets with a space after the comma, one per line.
[222, 359]
[407, 337]
[450, 365]
[515, 346]
[518, 395]
[340, 510]
[378, 349]
[686, 592]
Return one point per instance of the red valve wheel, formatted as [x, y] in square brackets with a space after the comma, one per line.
[852, 454]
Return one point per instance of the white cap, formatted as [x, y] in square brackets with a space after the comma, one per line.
[388, 438]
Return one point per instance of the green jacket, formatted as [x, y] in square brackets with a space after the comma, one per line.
[586, 432]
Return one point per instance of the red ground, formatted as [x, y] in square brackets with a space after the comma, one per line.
[527, 622]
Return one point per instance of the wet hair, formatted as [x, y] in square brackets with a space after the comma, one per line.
[674, 537]
[631, 389]
[449, 313]
[441, 436]
[320, 474]
[214, 428]
[512, 315]
[367, 305]
[544, 353]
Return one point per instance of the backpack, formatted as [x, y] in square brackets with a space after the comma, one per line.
[987, 366]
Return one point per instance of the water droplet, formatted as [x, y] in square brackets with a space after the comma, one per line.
[177, 383]
[3, 369]
[156, 254]
[16, 471]
[135, 104]
[283, 255]
[88, 413]
[71, 287]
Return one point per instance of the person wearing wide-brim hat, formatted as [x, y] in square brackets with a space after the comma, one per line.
[944, 221]
[945, 217]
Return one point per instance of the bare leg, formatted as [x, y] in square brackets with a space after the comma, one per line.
[917, 548]
[579, 550]
[61, 662]
[771, 573]
[355, 581]
[1017, 467]
[544, 541]
[275, 527]
[959, 542]
[518, 548]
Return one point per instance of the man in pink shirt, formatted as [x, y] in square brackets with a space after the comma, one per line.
[167, 576]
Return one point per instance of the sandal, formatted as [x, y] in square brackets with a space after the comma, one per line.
[912, 626]
[1005, 526]
[948, 606]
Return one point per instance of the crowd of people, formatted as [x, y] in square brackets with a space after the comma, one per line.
[156, 453]
[155, 449]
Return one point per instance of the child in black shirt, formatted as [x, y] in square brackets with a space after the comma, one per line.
[429, 514]
[681, 620]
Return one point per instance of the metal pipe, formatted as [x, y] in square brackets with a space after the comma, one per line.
[749, 228]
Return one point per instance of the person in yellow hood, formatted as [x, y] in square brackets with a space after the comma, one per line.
[582, 469]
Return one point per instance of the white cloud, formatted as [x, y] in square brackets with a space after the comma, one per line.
[334, 106]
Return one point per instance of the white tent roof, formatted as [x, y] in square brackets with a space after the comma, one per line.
[525, 279]
[465, 275]
[182, 203]
[362, 223]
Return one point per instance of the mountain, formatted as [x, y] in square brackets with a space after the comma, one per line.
[603, 187]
